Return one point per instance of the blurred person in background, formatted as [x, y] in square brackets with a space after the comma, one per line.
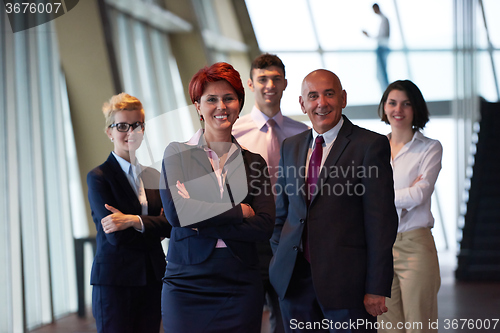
[262, 132]
[382, 50]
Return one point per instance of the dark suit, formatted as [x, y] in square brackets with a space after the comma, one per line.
[126, 259]
[352, 221]
[198, 274]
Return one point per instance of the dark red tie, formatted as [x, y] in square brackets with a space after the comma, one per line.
[312, 184]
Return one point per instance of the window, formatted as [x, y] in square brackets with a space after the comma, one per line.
[330, 36]
[488, 58]
[149, 72]
[212, 16]
[36, 252]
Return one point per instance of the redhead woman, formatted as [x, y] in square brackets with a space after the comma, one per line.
[126, 208]
[416, 162]
[217, 197]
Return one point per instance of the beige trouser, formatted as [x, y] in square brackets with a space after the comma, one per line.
[413, 302]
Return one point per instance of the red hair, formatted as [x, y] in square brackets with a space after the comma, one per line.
[217, 72]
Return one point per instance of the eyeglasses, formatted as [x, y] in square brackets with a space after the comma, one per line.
[124, 127]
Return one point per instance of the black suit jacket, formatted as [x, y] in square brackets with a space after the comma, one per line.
[214, 217]
[122, 257]
[352, 221]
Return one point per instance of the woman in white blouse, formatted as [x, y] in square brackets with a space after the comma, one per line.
[416, 162]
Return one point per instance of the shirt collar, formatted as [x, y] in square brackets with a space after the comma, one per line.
[260, 119]
[330, 135]
[416, 136]
[125, 165]
[198, 140]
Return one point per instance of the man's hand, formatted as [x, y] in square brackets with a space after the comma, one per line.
[118, 221]
[375, 304]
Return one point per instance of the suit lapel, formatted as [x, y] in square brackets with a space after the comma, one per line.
[234, 162]
[200, 156]
[301, 158]
[120, 181]
[338, 148]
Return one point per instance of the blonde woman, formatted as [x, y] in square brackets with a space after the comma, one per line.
[126, 208]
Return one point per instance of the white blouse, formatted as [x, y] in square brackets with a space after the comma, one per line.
[420, 156]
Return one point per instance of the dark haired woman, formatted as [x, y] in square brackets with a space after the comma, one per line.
[416, 162]
[217, 197]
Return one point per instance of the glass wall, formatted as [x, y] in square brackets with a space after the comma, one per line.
[330, 36]
[488, 43]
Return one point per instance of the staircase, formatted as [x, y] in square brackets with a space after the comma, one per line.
[479, 256]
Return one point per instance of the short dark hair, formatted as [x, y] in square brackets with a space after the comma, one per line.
[420, 110]
[220, 71]
[266, 60]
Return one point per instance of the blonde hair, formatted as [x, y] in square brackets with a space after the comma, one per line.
[120, 102]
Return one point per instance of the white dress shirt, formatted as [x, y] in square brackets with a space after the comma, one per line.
[383, 31]
[132, 173]
[329, 137]
[420, 156]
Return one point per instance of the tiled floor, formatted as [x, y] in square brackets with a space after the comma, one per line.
[460, 301]
[70, 324]
[457, 301]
